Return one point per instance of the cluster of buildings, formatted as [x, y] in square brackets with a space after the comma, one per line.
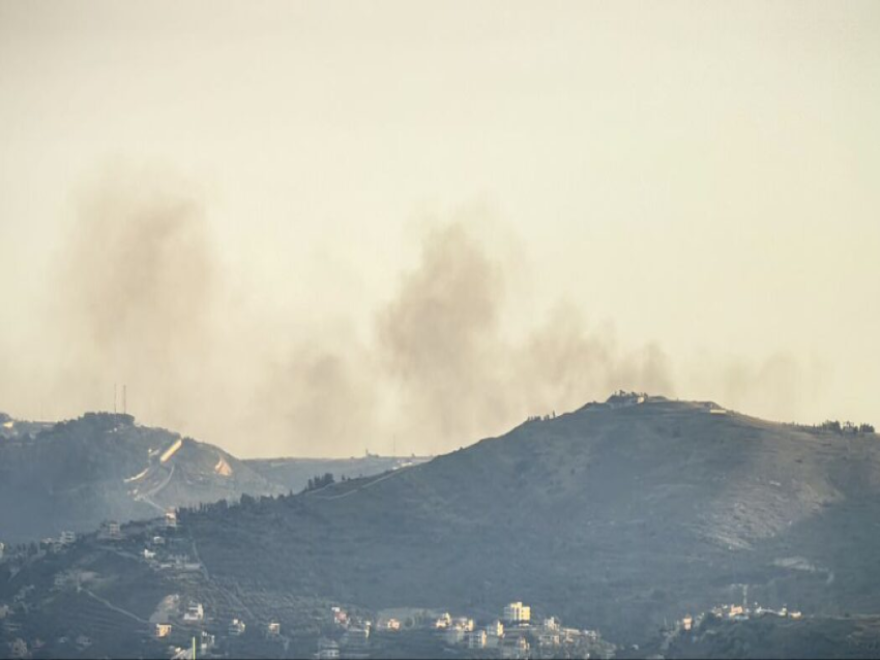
[734, 612]
[355, 639]
[194, 616]
[744, 612]
[51, 544]
[512, 636]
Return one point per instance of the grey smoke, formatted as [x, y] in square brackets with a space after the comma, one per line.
[141, 298]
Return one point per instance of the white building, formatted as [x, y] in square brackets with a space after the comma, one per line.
[494, 634]
[477, 639]
[237, 628]
[339, 615]
[517, 613]
[162, 630]
[496, 629]
[67, 538]
[2, 548]
[462, 623]
[194, 613]
[273, 629]
[171, 519]
[207, 642]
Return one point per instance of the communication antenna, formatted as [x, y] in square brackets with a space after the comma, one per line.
[124, 403]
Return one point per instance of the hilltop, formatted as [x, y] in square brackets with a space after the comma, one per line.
[73, 475]
[619, 516]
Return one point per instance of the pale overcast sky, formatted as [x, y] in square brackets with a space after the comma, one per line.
[692, 185]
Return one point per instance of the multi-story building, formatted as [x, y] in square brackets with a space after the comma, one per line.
[517, 613]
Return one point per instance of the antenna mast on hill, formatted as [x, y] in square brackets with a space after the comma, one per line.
[124, 402]
[114, 398]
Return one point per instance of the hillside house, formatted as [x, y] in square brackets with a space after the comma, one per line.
[477, 639]
[444, 621]
[149, 554]
[171, 519]
[356, 640]
[549, 635]
[515, 648]
[67, 538]
[236, 628]
[327, 649]
[496, 628]
[392, 625]
[162, 630]
[273, 629]
[195, 613]
[464, 623]
[494, 634]
[206, 642]
[737, 612]
[517, 613]
[454, 636]
[111, 530]
[340, 617]
[687, 623]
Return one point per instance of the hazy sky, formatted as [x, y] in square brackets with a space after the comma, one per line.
[314, 228]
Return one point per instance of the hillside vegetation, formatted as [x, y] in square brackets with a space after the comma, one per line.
[620, 516]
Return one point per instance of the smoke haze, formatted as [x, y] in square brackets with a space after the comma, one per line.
[680, 199]
[140, 299]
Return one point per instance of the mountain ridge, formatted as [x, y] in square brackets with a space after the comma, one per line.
[617, 516]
